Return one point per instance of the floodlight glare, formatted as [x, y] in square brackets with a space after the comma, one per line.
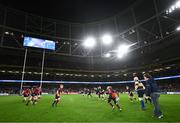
[89, 42]
[120, 55]
[167, 12]
[170, 10]
[107, 39]
[107, 55]
[173, 7]
[178, 28]
[177, 5]
[122, 50]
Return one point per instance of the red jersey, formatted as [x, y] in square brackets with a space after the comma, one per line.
[37, 91]
[112, 93]
[26, 92]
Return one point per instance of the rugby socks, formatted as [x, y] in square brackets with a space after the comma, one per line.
[34, 102]
[146, 100]
[111, 104]
[27, 102]
[118, 106]
[53, 103]
[142, 104]
[56, 102]
[149, 100]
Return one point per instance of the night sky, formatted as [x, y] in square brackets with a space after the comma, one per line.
[71, 10]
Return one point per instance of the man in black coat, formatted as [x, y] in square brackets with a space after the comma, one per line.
[153, 90]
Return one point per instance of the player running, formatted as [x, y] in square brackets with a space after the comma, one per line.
[113, 96]
[100, 92]
[130, 94]
[33, 97]
[84, 91]
[139, 87]
[89, 93]
[103, 93]
[58, 95]
[37, 92]
[26, 94]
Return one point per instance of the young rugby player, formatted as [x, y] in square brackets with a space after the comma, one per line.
[130, 94]
[140, 88]
[103, 93]
[113, 96]
[32, 98]
[26, 94]
[58, 95]
[89, 93]
[99, 90]
[37, 92]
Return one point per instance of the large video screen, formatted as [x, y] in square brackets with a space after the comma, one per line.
[39, 43]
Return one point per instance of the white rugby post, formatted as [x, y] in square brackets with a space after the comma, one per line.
[23, 72]
[42, 68]
[36, 43]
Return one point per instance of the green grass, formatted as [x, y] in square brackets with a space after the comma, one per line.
[76, 108]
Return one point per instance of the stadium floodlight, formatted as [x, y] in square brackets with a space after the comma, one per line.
[170, 10]
[3, 71]
[29, 72]
[92, 76]
[178, 28]
[167, 11]
[119, 55]
[107, 39]
[122, 50]
[173, 7]
[108, 76]
[107, 55]
[177, 5]
[90, 42]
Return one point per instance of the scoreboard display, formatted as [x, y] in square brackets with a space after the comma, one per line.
[39, 43]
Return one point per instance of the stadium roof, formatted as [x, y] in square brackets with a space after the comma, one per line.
[145, 23]
[71, 10]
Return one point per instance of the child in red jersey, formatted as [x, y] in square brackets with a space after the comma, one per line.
[113, 96]
[33, 96]
[26, 94]
[37, 92]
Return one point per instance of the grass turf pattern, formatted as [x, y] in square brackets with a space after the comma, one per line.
[78, 108]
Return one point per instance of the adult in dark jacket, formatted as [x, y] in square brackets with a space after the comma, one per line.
[154, 92]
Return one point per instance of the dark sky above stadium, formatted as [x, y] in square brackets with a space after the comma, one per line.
[71, 10]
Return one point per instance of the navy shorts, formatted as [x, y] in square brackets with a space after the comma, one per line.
[26, 95]
[33, 95]
[114, 100]
[57, 97]
[140, 93]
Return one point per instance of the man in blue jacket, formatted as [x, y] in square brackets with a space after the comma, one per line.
[154, 92]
